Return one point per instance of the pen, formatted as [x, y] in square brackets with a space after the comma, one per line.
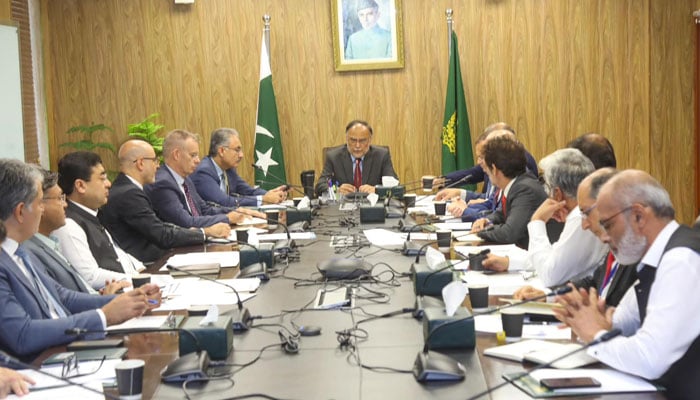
[152, 301]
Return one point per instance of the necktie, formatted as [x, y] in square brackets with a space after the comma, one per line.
[50, 302]
[609, 271]
[646, 277]
[190, 201]
[503, 205]
[357, 179]
[224, 179]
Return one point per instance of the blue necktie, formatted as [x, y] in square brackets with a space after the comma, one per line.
[51, 303]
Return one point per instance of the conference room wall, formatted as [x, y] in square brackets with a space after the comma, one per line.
[552, 69]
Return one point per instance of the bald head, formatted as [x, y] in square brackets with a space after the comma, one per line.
[137, 159]
[634, 186]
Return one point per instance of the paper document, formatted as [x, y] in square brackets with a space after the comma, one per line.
[500, 284]
[454, 226]
[384, 238]
[187, 292]
[225, 258]
[281, 236]
[252, 221]
[144, 322]
[419, 235]
[467, 237]
[56, 389]
[497, 249]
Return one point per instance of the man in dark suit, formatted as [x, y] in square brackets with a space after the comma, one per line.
[45, 247]
[129, 215]
[356, 166]
[36, 310]
[521, 193]
[216, 178]
[174, 195]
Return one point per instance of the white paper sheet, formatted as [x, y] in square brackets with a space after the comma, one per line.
[225, 258]
[384, 238]
[267, 237]
[458, 225]
[491, 323]
[187, 292]
[147, 321]
[501, 284]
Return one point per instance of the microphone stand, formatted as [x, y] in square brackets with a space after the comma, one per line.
[10, 361]
[431, 360]
[284, 246]
[411, 248]
[256, 269]
[604, 338]
[240, 317]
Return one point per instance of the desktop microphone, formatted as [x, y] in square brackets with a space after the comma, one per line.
[411, 248]
[451, 185]
[277, 181]
[283, 246]
[241, 316]
[603, 338]
[433, 366]
[12, 362]
[192, 363]
[421, 275]
[256, 269]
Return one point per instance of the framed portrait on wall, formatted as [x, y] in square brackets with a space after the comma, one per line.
[367, 34]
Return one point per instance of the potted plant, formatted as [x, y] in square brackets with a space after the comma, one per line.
[147, 130]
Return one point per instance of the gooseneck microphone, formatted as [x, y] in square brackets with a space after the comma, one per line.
[256, 269]
[283, 246]
[11, 362]
[278, 180]
[603, 338]
[412, 248]
[446, 367]
[240, 317]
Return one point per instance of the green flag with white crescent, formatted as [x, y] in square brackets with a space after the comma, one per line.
[456, 137]
[268, 142]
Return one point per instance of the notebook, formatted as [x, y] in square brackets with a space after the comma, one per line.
[542, 352]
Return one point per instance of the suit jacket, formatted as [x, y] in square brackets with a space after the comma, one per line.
[27, 327]
[625, 277]
[171, 206]
[55, 265]
[338, 167]
[208, 183]
[524, 197]
[130, 218]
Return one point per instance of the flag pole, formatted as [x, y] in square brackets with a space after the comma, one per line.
[266, 34]
[448, 13]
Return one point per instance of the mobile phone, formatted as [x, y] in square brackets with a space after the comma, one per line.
[569, 383]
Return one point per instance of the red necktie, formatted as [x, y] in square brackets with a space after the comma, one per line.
[503, 204]
[608, 270]
[357, 179]
[190, 200]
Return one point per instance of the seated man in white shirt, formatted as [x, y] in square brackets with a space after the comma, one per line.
[86, 244]
[577, 252]
[658, 318]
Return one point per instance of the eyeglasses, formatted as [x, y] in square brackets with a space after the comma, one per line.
[606, 223]
[363, 141]
[154, 159]
[70, 367]
[235, 149]
[61, 198]
[587, 212]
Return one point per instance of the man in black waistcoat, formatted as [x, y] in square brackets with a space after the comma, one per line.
[83, 240]
[658, 316]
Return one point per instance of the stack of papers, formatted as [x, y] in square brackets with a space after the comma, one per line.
[56, 389]
[225, 258]
[611, 382]
[187, 292]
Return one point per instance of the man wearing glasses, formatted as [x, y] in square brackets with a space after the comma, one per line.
[129, 215]
[658, 317]
[216, 178]
[356, 166]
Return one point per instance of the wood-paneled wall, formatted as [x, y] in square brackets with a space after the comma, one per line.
[552, 69]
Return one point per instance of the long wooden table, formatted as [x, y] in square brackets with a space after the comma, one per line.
[322, 369]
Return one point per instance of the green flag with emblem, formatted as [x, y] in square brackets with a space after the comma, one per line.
[456, 137]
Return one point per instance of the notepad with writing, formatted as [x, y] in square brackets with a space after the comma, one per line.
[542, 352]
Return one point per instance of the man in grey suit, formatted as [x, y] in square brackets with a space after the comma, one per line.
[520, 193]
[356, 166]
[37, 310]
[45, 247]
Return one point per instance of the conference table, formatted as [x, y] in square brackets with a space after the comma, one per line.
[323, 367]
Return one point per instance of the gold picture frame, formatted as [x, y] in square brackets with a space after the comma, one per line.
[366, 37]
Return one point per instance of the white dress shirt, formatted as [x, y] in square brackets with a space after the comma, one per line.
[671, 322]
[575, 255]
[74, 247]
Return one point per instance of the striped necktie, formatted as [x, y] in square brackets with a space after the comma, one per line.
[51, 303]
